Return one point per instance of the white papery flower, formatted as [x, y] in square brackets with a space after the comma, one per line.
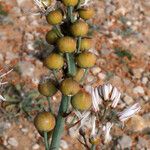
[105, 92]
[83, 117]
[108, 92]
[93, 132]
[129, 112]
[96, 99]
[106, 130]
[85, 3]
[44, 7]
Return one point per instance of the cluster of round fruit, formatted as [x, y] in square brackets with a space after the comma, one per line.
[66, 40]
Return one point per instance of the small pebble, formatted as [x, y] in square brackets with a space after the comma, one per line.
[63, 144]
[95, 70]
[138, 90]
[128, 100]
[24, 130]
[144, 80]
[102, 76]
[13, 142]
[125, 141]
[138, 73]
[35, 146]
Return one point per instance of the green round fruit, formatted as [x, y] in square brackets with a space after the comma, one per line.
[47, 88]
[54, 61]
[81, 101]
[44, 122]
[54, 17]
[86, 44]
[70, 2]
[69, 87]
[86, 60]
[66, 44]
[86, 13]
[51, 37]
[79, 28]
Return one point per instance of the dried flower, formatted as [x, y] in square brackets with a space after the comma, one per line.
[129, 112]
[85, 3]
[96, 99]
[3, 83]
[106, 130]
[93, 132]
[43, 8]
[83, 117]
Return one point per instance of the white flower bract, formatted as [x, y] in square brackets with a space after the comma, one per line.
[106, 130]
[129, 112]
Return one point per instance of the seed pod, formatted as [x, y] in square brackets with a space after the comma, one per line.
[44, 122]
[81, 101]
[70, 2]
[94, 140]
[79, 74]
[46, 2]
[86, 13]
[54, 61]
[51, 37]
[86, 60]
[66, 44]
[79, 28]
[69, 87]
[86, 44]
[54, 17]
[47, 88]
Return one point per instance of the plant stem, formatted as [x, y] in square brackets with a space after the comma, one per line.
[79, 3]
[78, 44]
[55, 74]
[71, 64]
[84, 75]
[93, 147]
[58, 31]
[46, 141]
[59, 127]
[70, 13]
[49, 104]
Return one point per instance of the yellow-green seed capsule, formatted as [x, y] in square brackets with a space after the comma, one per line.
[79, 74]
[94, 140]
[86, 44]
[86, 13]
[69, 87]
[70, 2]
[54, 61]
[79, 28]
[51, 37]
[86, 60]
[81, 101]
[54, 17]
[47, 88]
[44, 122]
[66, 44]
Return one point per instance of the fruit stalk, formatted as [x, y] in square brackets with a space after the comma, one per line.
[46, 141]
[71, 64]
[79, 44]
[59, 127]
[93, 147]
